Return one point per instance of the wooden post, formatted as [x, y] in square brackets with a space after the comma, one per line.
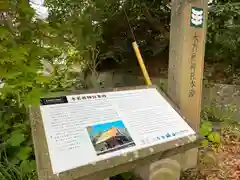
[186, 61]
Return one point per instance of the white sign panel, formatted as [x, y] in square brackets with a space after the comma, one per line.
[83, 129]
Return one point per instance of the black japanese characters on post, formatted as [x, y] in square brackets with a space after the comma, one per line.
[193, 63]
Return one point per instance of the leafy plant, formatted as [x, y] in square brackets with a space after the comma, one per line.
[79, 26]
[219, 113]
[211, 137]
[25, 171]
[215, 118]
[16, 153]
[223, 33]
[25, 44]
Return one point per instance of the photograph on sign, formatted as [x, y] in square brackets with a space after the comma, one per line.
[98, 126]
[110, 136]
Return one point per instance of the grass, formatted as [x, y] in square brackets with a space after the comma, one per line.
[9, 171]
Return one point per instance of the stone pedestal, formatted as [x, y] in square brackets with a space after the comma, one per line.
[166, 169]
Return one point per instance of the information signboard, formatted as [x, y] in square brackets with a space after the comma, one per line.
[87, 128]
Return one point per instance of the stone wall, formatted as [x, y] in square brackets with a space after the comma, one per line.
[221, 94]
[226, 98]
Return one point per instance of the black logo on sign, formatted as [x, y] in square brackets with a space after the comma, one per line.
[53, 100]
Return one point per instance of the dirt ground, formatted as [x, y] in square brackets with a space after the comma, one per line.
[225, 164]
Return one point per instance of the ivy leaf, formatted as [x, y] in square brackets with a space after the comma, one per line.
[32, 164]
[214, 137]
[43, 79]
[26, 167]
[14, 161]
[33, 97]
[4, 33]
[10, 75]
[16, 138]
[24, 153]
[20, 126]
[205, 128]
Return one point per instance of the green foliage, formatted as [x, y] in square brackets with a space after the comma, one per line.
[16, 139]
[214, 118]
[79, 25]
[206, 128]
[214, 137]
[25, 43]
[150, 21]
[9, 171]
[211, 138]
[219, 113]
[21, 50]
[223, 33]
[16, 153]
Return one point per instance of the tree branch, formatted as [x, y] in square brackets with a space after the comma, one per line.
[6, 18]
[155, 24]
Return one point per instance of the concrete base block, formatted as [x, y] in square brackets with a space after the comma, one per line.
[163, 174]
[166, 169]
[190, 159]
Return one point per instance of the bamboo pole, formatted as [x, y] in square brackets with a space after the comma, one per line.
[141, 63]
